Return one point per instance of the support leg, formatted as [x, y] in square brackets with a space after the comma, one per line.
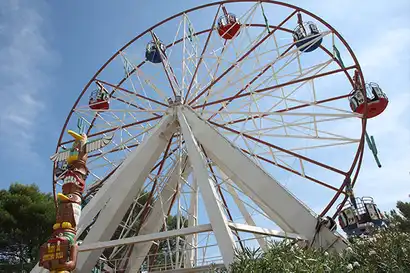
[279, 204]
[129, 181]
[242, 209]
[214, 208]
[155, 220]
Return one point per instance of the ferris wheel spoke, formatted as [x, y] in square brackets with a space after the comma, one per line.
[127, 66]
[132, 93]
[202, 53]
[232, 190]
[292, 170]
[214, 75]
[281, 149]
[116, 128]
[133, 105]
[309, 70]
[253, 80]
[137, 70]
[124, 144]
[276, 86]
[286, 113]
[302, 136]
[288, 109]
[142, 78]
[282, 164]
[239, 60]
[227, 45]
[266, 131]
[172, 80]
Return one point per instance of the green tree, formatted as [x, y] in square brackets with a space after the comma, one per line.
[26, 219]
[400, 219]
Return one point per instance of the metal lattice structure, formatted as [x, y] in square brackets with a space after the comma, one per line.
[234, 138]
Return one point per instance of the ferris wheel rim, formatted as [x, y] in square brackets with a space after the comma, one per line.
[355, 167]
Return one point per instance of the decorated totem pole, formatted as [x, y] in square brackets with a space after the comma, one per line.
[59, 253]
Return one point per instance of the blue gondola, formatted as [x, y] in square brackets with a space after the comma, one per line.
[363, 219]
[307, 37]
[154, 53]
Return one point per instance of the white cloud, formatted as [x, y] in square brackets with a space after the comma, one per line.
[25, 58]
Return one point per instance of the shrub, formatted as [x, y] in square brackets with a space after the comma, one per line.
[386, 251]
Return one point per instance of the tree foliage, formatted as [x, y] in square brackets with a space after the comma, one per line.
[401, 219]
[26, 219]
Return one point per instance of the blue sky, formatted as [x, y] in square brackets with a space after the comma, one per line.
[50, 49]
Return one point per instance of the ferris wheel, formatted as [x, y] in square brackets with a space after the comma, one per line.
[242, 121]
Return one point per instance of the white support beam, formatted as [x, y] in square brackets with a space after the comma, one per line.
[265, 231]
[131, 176]
[192, 240]
[246, 215]
[155, 219]
[145, 238]
[279, 204]
[38, 269]
[215, 211]
[97, 203]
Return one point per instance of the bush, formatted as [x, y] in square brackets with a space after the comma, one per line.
[386, 251]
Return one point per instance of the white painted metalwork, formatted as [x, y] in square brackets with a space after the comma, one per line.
[111, 202]
[156, 218]
[214, 209]
[128, 183]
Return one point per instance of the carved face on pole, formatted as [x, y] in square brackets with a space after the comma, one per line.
[73, 182]
[69, 210]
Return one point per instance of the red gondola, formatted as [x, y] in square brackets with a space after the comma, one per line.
[376, 100]
[99, 99]
[228, 26]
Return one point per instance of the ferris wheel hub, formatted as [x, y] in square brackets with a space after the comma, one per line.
[174, 102]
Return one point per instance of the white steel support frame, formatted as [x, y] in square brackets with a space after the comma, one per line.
[214, 207]
[246, 215]
[130, 178]
[146, 238]
[279, 204]
[120, 190]
[155, 219]
[192, 240]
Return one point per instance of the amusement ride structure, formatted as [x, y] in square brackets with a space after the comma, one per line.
[214, 130]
